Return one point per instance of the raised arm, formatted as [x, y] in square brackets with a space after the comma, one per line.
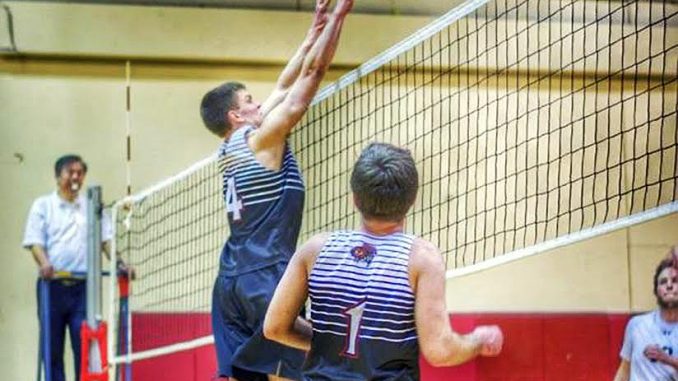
[439, 344]
[291, 71]
[282, 322]
[280, 120]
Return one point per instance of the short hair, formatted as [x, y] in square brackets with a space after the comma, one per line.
[664, 264]
[68, 160]
[385, 182]
[216, 103]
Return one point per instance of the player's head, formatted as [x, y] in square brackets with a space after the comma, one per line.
[70, 171]
[666, 284]
[228, 107]
[384, 182]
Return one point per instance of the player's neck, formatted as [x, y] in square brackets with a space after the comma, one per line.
[67, 195]
[378, 227]
[235, 127]
[669, 315]
[228, 134]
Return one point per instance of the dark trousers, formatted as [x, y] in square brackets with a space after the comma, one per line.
[67, 303]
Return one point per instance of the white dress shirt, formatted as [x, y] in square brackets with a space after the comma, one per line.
[60, 227]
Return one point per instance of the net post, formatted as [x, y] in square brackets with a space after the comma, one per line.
[93, 255]
[45, 353]
[112, 286]
[93, 361]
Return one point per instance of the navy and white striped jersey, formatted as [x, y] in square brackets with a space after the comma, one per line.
[362, 309]
[264, 207]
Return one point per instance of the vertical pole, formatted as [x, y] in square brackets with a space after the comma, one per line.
[125, 307]
[94, 209]
[45, 329]
[40, 350]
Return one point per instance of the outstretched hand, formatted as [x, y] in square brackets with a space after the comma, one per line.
[491, 339]
[320, 18]
[343, 7]
[321, 6]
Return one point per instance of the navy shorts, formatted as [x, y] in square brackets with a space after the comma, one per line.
[239, 306]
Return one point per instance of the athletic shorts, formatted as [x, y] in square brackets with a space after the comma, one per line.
[239, 306]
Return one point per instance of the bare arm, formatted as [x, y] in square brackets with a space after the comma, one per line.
[40, 257]
[282, 322]
[279, 122]
[291, 71]
[623, 371]
[439, 344]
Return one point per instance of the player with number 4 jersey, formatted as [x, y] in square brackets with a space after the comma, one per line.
[264, 199]
[264, 207]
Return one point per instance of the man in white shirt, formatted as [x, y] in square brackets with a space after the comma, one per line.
[56, 235]
[650, 350]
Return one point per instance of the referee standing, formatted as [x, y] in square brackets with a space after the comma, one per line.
[56, 235]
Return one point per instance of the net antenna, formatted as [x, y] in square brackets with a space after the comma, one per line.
[120, 338]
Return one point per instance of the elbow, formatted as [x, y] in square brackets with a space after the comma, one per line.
[298, 108]
[448, 353]
[436, 357]
[270, 331]
[315, 72]
[435, 361]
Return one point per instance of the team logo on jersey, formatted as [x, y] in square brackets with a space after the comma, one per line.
[364, 252]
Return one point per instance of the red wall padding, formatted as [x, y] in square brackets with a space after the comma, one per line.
[537, 347]
[153, 330]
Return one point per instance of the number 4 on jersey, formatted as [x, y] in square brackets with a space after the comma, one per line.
[233, 203]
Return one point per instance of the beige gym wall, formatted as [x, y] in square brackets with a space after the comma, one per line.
[611, 273]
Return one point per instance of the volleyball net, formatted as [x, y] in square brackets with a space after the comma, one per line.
[533, 124]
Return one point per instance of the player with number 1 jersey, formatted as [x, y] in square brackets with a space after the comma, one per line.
[377, 293]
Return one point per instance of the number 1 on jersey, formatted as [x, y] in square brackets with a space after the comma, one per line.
[354, 315]
[233, 203]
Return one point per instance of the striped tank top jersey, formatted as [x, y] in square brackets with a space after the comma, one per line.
[362, 309]
[264, 207]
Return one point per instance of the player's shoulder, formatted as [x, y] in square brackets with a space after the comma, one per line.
[425, 255]
[644, 318]
[308, 252]
[424, 247]
[317, 241]
[45, 201]
[314, 245]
